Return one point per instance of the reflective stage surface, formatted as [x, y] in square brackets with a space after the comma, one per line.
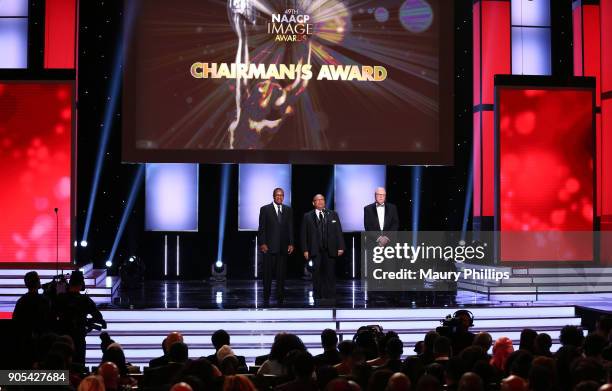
[349, 294]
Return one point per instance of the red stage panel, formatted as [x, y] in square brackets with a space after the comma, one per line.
[477, 166]
[60, 36]
[477, 54]
[488, 165]
[577, 28]
[35, 158]
[546, 147]
[606, 45]
[495, 44]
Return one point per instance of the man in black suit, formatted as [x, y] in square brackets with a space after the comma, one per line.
[380, 221]
[275, 237]
[322, 242]
[381, 217]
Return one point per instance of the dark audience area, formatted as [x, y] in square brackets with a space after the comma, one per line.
[374, 359]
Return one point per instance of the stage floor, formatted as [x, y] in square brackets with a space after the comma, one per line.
[235, 294]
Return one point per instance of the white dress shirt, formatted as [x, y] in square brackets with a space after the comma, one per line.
[277, 208]
[380, 211]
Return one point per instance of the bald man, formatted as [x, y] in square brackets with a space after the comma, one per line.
[380, 217]
[322, 242]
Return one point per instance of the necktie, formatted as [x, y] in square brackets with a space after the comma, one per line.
[279, 213]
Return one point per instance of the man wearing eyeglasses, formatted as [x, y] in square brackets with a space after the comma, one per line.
[322, 242]
[275, 238]
[381, 217]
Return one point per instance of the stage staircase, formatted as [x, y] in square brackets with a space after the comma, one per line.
[252, 331]
[98, 285]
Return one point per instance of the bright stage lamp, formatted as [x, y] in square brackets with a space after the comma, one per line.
[109, 263]
[83, 243]
[132, 259]
[218, 271]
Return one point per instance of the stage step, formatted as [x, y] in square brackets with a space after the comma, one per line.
[533, 282]
[141, 332]
[98, 285]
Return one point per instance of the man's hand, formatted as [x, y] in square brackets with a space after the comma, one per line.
[306, 255]
[340, 252]
[263, 248]
[382, 241]
[290, 249]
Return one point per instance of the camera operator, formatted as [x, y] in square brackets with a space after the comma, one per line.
[73, 309]
[457, 328]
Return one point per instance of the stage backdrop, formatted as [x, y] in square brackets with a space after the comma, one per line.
[289, 81]
[545, 190]
[35, 134]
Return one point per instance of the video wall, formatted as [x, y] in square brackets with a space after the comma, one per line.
[293, 81]
[36, 121]
[546, 150]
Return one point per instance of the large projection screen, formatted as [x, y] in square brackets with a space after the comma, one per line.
[545, 173]
[289, 81]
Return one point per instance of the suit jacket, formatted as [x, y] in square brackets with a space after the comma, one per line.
[370, 218]
[310, 233]
[276, 235]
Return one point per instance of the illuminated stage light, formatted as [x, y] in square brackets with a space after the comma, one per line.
[309, 263]
[109, 113]
[109, 263]
[219, 270]
[138, 180]
[83, 243]
[76, 243]
[219, 297]
[132, 259]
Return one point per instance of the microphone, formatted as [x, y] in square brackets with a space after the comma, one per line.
[55, 210]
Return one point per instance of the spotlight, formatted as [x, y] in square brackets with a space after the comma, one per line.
[76, 243]
[462, 242]
[218, 271]
[83, 243]
[309, 263]
[132, 259]
[109, 263]
[219, 297]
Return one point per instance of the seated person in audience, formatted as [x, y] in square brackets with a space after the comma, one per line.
[330, 355]
[382, 350]
[219, 339]
[283, 344]
[114, 353]
[178, 355]
[351, 356]
[229, 363]
[527, 341]
[110, 374]
[302, 367]
[485, 341]
[173, 337]
[470, 382]
[442, 350]
[238, 383]
[394, 349]
[92, 383]
[501, 351]
[427, 357]
[398, 382]
[543, 343]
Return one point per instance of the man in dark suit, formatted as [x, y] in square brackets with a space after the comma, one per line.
[275, 237]
[381, 217]
[380, 221]
[322, 242]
